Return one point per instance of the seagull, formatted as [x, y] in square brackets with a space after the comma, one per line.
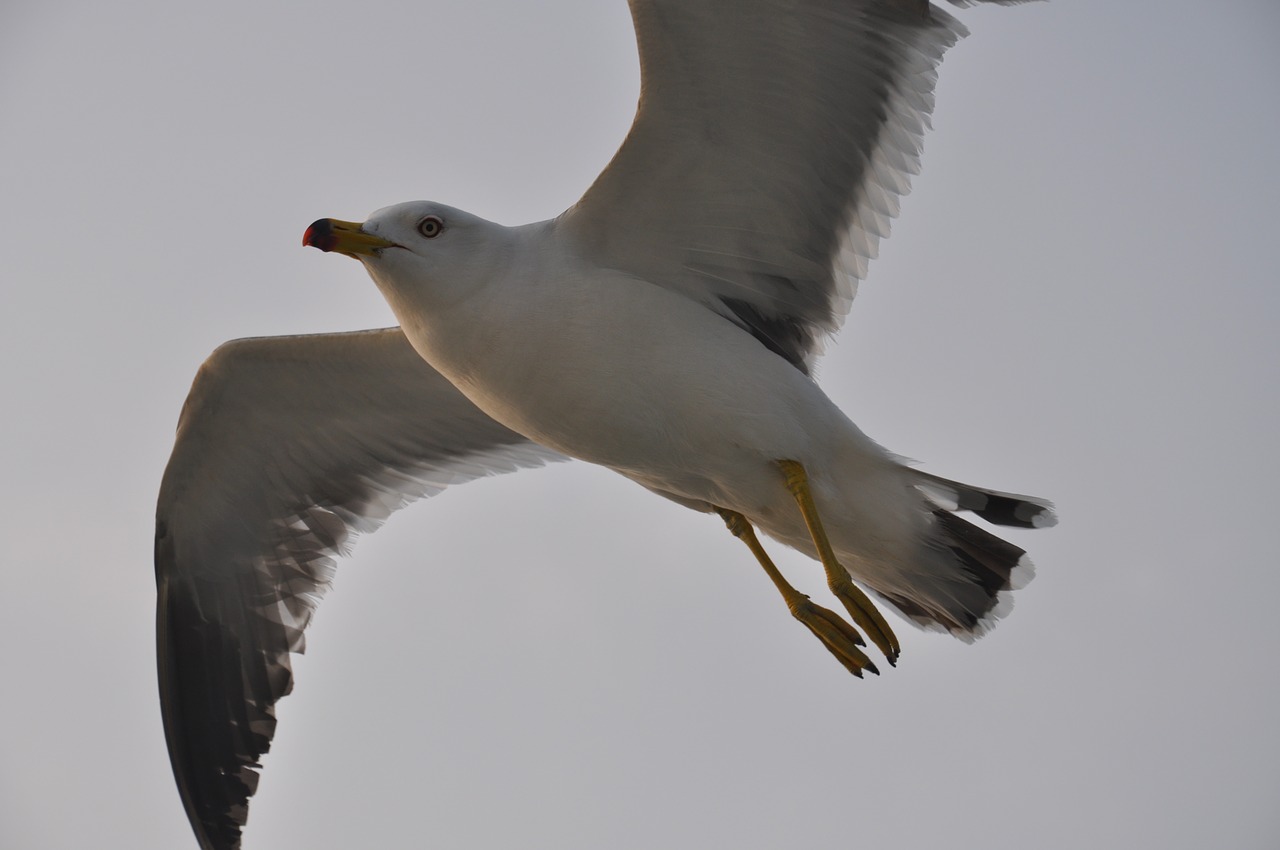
[665, 326]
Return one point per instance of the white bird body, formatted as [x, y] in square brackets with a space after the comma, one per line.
[614, 370]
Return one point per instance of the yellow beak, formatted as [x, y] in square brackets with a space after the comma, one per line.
[345, 237]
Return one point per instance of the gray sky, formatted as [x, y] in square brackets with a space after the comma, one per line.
[1079, 301]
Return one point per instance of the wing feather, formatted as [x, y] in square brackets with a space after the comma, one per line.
[771, 145]
[286, 447]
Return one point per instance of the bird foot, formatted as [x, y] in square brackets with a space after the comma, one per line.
[868, 617]
[841, 639]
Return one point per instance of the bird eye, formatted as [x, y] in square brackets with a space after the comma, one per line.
[431, 226]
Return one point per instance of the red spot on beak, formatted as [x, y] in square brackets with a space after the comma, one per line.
[319, 235]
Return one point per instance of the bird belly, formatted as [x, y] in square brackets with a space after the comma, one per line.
[634, 377]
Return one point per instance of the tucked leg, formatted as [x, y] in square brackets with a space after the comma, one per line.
[860, 607]
[836, 635]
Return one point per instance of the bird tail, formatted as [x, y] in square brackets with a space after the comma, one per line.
[974, 569]
[994, 506]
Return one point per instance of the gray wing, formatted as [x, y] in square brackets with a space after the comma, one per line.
[285, 447]
[771, 144]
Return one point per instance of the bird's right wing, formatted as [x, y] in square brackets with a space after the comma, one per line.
[285, 447]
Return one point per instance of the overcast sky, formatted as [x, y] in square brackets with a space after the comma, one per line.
[1079, 302]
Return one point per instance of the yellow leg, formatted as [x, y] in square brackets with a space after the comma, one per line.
[836, 635]
[860, 607]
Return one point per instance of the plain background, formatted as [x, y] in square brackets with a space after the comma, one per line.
[1079, 301]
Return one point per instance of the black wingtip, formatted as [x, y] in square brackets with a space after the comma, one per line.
[217, 714]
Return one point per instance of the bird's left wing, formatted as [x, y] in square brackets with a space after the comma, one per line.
[772, 141]
[285, 447]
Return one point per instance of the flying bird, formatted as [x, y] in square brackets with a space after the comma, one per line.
[665, 326]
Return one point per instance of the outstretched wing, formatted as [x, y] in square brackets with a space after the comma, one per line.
[285, 447]
[772, 142]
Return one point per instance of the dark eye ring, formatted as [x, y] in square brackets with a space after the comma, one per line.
[431, 226]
